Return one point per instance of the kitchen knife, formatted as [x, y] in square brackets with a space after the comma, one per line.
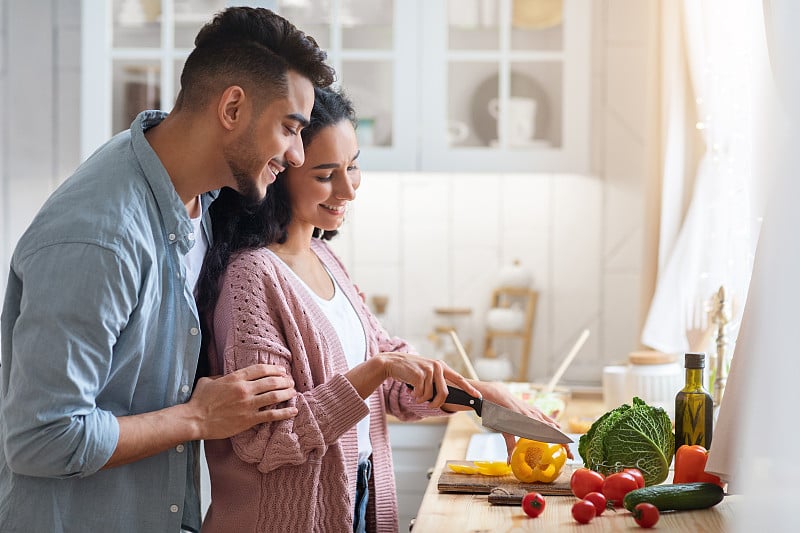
[501, 418]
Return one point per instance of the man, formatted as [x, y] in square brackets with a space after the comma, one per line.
[100, 329]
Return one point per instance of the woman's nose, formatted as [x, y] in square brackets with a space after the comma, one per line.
[347, 190]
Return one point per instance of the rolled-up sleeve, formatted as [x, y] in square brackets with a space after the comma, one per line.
[75, 300]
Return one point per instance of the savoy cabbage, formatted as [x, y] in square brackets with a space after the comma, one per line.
[638, 436]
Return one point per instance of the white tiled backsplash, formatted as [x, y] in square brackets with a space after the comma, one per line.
[439, 240]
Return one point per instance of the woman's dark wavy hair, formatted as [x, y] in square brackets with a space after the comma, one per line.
[238, 225]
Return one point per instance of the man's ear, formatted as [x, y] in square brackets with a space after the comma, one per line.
[231, 107]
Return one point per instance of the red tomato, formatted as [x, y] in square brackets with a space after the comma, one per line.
[584, 481]
[616, 486]
[533, 504]
[646, 514]
[598, 500]
[583, 511]
[637, 475]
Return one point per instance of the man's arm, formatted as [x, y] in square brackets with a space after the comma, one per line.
[219, 408]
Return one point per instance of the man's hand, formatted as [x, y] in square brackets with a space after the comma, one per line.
[227, 405]
[219, 408]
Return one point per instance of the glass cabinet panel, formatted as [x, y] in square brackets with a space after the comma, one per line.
[367, 24]
[136, 87]
[473, 24]
[190, 16]
[136, 24]
[314, 18]
[537, 25]
[368, 84]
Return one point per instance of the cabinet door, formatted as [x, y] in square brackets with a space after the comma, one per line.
[132, 56]
[507, 85]
[372, 46]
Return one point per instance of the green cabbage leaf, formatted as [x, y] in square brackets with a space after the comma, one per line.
[630, 436]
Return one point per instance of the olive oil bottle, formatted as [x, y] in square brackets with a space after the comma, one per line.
[694, 407]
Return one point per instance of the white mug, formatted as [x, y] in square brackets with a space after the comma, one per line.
[520, 119]
[457, 132]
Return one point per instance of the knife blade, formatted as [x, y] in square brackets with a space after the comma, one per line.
[503, 419]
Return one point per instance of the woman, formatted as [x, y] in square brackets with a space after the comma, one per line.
[273, 292]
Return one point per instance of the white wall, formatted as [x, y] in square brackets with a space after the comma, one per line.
[426, 240]
[39, 100]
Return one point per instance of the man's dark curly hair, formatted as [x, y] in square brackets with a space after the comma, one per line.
[253, 48]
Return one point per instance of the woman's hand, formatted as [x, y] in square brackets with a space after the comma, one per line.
[497, 393]
[425, 375]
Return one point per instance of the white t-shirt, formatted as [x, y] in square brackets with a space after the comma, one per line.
[351, 335]
[193, 260]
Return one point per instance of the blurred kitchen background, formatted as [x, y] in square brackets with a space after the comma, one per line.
[449, 201]
[531, 168]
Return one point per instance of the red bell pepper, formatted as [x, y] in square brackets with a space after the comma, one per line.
[690, 465]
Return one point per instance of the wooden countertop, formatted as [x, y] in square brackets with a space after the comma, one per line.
[472, 513]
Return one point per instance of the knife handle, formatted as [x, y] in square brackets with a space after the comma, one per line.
[458, 396]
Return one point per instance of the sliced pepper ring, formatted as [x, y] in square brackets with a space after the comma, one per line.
[533, 461]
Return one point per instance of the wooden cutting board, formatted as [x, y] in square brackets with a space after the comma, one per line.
[502, 490]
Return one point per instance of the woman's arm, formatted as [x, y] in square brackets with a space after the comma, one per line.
[260, 318]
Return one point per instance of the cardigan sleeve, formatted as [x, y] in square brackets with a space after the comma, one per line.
[397, 397]
[257, 321]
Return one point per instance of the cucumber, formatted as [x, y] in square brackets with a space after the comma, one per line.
[676, 497]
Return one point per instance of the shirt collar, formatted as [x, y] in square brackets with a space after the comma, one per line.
[176, 220]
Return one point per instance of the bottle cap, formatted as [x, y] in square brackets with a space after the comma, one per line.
[695, 360]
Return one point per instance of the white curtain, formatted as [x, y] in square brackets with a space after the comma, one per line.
[713, 49]
[755, 442]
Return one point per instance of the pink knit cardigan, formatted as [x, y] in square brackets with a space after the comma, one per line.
[299, 474]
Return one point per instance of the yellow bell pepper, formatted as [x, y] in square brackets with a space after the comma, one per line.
[487, 468]
[534, 461]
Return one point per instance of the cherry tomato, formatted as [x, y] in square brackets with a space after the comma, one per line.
[598, 500]
[533, 504]
[646, 514]
[616, 486]
[583, 511]
[637, 475]
[584, 481]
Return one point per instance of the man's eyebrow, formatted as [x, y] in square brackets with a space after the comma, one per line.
[304, 122]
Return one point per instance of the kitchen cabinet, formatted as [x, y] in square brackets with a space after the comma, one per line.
[439, 85]
[415, 446]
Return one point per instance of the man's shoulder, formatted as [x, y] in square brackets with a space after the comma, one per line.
[95, 205]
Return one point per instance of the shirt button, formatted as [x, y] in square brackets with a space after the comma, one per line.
[185, 389]
[194, 331]
[174, 508]
[191, 236]
[179, 448]
[171, 237]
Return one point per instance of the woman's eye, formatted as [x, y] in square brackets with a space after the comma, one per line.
[324, 178]
[352, 168]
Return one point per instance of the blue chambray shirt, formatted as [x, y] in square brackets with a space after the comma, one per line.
[98, 322]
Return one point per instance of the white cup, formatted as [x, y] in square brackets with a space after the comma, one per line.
[520, 119]
[615, 386]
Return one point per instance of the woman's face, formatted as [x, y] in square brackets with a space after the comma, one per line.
[320, 189]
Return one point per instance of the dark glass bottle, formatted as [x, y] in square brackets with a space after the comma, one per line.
[694, 407]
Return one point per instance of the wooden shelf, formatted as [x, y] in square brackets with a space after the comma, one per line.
[503, 297]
